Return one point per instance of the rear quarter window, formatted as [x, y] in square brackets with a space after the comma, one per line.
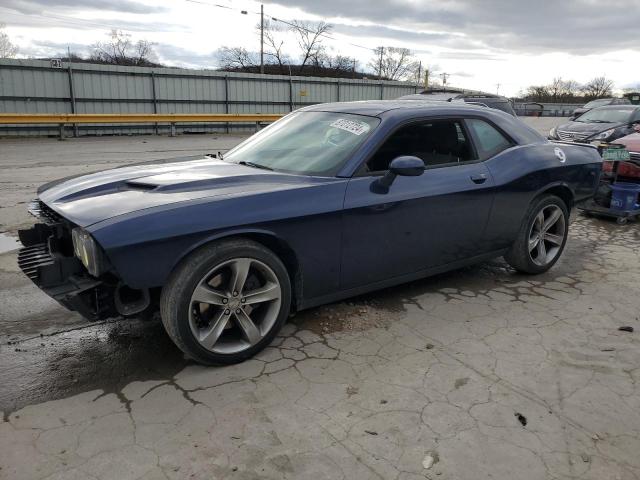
[489, 141]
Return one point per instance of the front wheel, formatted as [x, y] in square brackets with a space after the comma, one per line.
[226, 301]
[542, 237]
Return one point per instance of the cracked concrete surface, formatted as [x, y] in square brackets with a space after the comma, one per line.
[479, 373]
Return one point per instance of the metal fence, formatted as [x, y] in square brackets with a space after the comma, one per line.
[36, 86]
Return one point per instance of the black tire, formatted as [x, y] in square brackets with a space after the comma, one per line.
[176, 299]
[519, 255]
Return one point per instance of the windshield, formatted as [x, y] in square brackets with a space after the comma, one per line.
[606, 115]
[308, 143]
[597, 103]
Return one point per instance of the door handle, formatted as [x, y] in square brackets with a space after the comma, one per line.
[479, 178]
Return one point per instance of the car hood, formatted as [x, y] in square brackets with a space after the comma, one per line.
[631, 142]
[88, 199]
[588, 128]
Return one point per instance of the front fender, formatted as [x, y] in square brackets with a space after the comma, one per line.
[221, 235]
[146, 246]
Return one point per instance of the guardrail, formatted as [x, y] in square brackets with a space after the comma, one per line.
[115, 118]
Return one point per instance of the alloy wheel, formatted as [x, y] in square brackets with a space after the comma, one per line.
[235, 305]
[546, 235]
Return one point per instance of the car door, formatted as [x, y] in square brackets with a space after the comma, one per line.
[518, 174]
[421, 222]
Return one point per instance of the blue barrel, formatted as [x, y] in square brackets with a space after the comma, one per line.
[624, 196]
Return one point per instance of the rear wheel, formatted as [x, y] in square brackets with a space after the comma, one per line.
[542, 237]
[226, 302]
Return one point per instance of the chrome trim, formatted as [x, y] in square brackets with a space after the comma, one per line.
[571, 136]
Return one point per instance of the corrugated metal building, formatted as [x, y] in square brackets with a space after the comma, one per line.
[36, 86]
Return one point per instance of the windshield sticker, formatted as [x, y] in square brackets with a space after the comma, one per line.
[351, 126]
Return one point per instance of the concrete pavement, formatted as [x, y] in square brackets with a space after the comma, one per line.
[479, 373]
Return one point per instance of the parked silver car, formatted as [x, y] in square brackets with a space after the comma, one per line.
[601, 102]
[603, 124]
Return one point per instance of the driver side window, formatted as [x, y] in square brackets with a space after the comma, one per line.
[436, 143]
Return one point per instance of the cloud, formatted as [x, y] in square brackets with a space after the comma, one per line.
[44, 49]
[182, 57]
[466, 55]
[100, 25]
[575, 26]
[402, 36]
[519, 41]
[121, 6]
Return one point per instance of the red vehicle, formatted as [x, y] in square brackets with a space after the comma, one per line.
[630, 169]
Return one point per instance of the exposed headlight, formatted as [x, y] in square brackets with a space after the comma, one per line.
[553, 133]
[88, 251]
[604, 135]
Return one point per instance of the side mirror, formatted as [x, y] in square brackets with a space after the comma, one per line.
[405, 166]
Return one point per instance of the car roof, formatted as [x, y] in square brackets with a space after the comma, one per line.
[380, 107]
[429, 96]
[397, 111]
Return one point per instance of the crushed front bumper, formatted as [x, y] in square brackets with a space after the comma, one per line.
[48, 260]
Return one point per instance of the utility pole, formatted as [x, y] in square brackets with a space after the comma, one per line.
[444, 80]
[497, 88]
[380, 64]
[261, 38]
[426, 78]
[419, 72]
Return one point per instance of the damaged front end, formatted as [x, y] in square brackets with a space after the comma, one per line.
[53, 256]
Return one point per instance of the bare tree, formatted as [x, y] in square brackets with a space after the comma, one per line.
[342, 63]
[7, 49]
[309, 36]
[236, 58]
[570, 89]
[555, 88]
[273, 43]
[376, 62]
[413, 72]
[393, 63]
[560, 89]
[538, 93]
[122, 50]
[598, 87]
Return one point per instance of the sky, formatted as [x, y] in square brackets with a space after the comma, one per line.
[499, 46]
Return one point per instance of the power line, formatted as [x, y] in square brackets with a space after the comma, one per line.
[215, 5]
[286, 22]
[326, 35]
[65, 19]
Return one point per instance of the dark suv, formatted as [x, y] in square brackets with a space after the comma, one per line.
[601, 102]
[484, 99]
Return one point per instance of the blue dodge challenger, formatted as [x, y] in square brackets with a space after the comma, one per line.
[329, 202]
